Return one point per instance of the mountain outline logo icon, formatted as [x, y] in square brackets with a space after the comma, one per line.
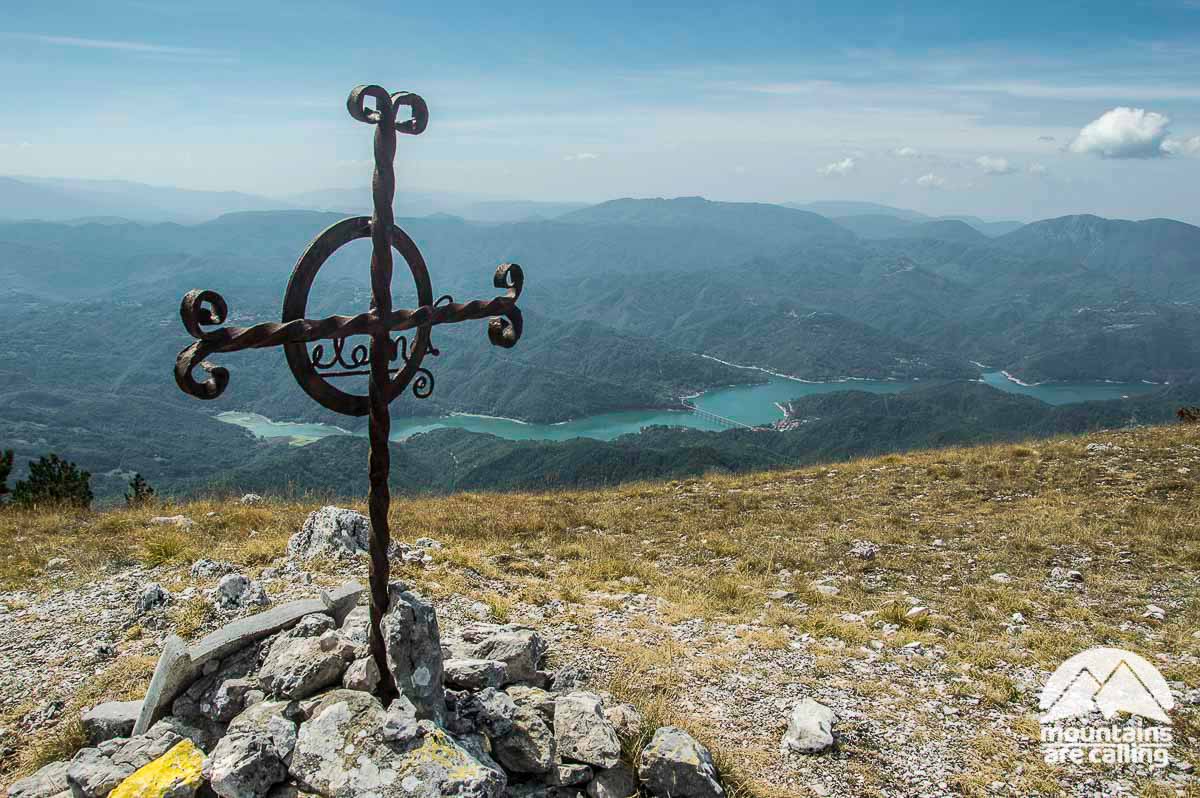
[1108, 681]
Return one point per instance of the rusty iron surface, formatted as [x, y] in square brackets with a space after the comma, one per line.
[391, 365]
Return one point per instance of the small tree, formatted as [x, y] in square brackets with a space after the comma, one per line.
[6, 462]
[1189, 415]
[53, 480]
[141, 493]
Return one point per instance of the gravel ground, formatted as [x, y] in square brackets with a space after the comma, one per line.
[916, 716]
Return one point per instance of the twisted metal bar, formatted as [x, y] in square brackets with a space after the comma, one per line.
[208, 307]
[379, 499]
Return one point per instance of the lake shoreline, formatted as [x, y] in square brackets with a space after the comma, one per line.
[793, 377]
[755, 405]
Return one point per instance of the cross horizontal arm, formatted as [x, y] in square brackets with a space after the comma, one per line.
[208, 307]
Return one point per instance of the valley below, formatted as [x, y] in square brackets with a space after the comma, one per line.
[1085, 323]
[739, 406]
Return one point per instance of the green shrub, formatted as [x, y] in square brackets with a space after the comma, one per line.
[53, 480]
[6, 462]
[141, 492]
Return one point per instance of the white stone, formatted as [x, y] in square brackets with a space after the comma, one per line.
[205, 568]
[181, 521]
[864, 549]
[331, 531]
[236, 590]
[810, 727]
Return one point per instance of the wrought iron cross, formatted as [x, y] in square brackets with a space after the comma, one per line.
[385, 381]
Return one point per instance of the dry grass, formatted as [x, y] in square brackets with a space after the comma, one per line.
[124, 680]
[712, 548]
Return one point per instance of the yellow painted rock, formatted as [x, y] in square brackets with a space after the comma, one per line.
[175, 774]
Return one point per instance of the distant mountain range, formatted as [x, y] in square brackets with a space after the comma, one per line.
[429, 203]
[621, 300]
[888, 221]
[114, 201]
[62, 199]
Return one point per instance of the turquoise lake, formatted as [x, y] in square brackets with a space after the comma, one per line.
[746, 404]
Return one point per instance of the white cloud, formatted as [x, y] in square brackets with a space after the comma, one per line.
[1124, 133]
[1182, 146]
[1037, 170]
[994, 166]
[906, 152]
[842, 167]
[931, 181]
[581, 156]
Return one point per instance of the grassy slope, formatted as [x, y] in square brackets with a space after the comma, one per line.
[712, 548]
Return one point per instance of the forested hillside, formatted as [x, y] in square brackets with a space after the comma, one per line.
[621, 302]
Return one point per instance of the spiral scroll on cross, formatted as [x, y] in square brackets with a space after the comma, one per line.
[391, 364]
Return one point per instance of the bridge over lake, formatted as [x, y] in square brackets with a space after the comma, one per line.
[722, 420]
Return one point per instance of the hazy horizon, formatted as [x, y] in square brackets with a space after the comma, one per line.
[1021, 112]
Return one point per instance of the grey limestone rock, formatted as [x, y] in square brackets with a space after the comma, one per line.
[582, 732]
[340, 752]
[333, 532]
[414, 651]
[475, 674]
[179, 665]
[529, 745]
[91, 774]
[253, 755]
[363, 674]
[49, 781]
[110, 719]
[674, 764]
[298, 667]
[618, 782]
[520, 648]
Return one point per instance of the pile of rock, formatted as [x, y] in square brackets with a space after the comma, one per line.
[283, 703]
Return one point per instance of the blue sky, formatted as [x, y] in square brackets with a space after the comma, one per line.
[1005, 110]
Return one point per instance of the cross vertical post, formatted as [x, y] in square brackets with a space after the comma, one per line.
[379, 423]
[390, 365]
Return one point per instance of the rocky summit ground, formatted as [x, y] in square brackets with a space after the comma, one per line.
[924, 599]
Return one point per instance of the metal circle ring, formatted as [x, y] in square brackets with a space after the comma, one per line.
[295, 303]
